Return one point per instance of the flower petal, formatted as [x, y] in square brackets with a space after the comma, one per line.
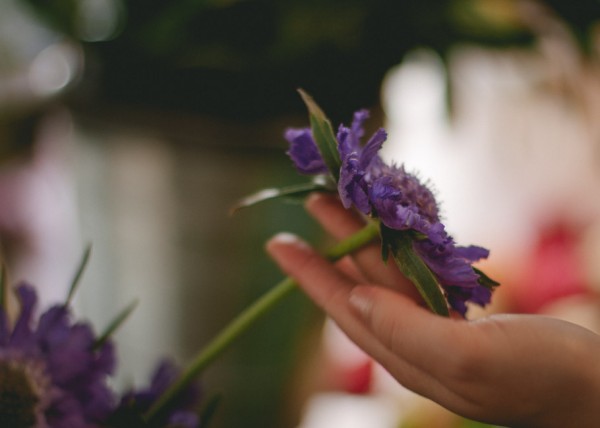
[22, 334]
[352, 187]
[370, 150]
[304, 152]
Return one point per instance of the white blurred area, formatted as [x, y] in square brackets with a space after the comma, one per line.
[519, 158]
[38, 216]
[517, 152]
[125, 204]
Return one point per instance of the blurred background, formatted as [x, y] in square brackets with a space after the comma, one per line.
[134, 125]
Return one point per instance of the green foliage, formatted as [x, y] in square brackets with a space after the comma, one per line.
[296, 192]
[323, 134]
[400, 244]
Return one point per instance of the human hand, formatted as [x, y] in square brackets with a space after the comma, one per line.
[513, 370]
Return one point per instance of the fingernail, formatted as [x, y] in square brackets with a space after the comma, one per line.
[288, 238]
[312, 198]
[360, 299]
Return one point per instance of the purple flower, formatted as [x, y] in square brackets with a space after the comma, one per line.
[50, 373]
[181, 413]
[353, 185]
[304, 152]
[452, 266]
[400, 201]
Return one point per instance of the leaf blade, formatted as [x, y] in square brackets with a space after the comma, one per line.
[415, 269]
[77, 277]
[485, 280]
[319, 183]
[114, 325]
[323, 135]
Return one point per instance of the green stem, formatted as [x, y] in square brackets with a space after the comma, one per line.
[250, 315]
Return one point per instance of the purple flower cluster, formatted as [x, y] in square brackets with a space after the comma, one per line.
[50, 373]
[54, 374]
[400, 201]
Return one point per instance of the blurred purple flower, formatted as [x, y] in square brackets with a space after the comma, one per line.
[50, 373]
[401, 202]
[181, 413]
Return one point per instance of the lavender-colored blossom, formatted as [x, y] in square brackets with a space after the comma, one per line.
[353, 184]
[304, 152]
[50, 373]
[401, 202]
[181, 413]
[451, 264]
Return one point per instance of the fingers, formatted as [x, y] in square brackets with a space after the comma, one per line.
[347, 266]
[423, 344]
[407, 329]
[332, 215]
[331, 290]
[326, 286]
[341, 223]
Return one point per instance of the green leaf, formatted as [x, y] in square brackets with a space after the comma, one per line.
[209, 410]
[413, 267]
[323, 134]
[485, 280]
[387, 235]
[75, 282]
[114, 325]
[319, 183]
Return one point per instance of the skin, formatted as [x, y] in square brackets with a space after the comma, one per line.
[511, 370]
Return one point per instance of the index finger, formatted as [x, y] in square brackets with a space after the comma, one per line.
[341, 223]
[325, 285]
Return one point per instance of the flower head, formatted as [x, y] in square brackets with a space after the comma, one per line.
[401, 202]
[51, 375]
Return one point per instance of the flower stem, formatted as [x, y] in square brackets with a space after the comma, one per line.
[246, 319]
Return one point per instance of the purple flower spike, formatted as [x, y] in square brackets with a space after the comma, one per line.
[304, 152]
[52, 370]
